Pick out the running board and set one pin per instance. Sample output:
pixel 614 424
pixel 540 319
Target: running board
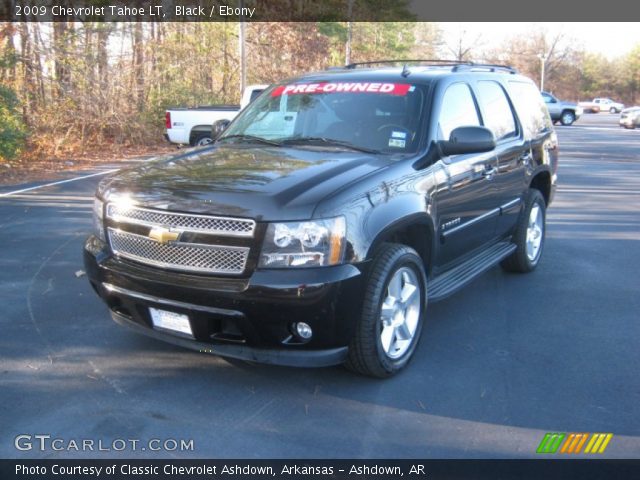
pixel 452 280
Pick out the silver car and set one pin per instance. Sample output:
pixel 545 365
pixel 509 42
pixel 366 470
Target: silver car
pixel 630 117
pixel 564 112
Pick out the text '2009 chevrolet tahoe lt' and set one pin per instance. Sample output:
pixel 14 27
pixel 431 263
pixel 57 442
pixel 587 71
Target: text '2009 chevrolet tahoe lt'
pixel 327 216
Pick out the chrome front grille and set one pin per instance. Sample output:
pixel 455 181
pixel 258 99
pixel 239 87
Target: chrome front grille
pixel 232 227
pixel 192 257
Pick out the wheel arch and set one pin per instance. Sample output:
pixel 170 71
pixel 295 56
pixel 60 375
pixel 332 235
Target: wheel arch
pixel 199 129
pixel 541 181
pixel 415 231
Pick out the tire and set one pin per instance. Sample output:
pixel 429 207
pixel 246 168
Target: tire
pixel 378 350
pixel 613 110
pixel 201 139
pixel 529 235
pixel 567 117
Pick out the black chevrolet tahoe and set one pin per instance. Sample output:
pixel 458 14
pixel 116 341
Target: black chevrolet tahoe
pixel 329 214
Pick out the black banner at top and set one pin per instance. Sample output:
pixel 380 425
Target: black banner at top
pixel 313 10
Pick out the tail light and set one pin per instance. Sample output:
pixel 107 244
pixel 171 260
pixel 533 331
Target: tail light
pixel 167 120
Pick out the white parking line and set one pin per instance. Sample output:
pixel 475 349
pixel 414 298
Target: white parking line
pixel 7 194
pixel 585 127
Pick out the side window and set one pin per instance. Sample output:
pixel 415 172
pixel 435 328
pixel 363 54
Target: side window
pixel 547 98
pixel 496 110
pixel 458 109
pixel 531 108
pixel 255 94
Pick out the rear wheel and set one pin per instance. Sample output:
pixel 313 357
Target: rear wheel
pixel 567 118
pixel 392 315
pixel 613 110
pixel 201 139
pixel 529 235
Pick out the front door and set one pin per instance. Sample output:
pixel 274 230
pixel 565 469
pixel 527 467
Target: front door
pixel 467 207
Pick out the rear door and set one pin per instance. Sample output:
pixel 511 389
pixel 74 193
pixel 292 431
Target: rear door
pixel 512 150
pixel 467 207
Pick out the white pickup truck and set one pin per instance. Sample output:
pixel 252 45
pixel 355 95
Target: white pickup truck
pixel 192 126
pixel 602 105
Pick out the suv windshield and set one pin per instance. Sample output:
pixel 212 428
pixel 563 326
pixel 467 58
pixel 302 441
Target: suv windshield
pixel 366 116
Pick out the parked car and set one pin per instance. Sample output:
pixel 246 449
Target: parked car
pixel 630 117
pixel 564 112
pixel 598 105
pixel 192 126
pixel 329 214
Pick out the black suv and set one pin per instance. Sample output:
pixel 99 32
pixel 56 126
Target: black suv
pixel 317 228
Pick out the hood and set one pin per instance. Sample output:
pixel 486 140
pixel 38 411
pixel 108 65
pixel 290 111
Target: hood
pixel 272 183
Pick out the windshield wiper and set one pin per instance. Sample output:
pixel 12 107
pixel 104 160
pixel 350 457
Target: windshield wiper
pixel 252 138
pixel 327 141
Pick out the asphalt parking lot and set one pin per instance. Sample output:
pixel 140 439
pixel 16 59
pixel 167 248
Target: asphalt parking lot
pixel 501 363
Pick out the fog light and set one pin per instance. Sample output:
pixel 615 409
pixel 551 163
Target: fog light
pixel 303 330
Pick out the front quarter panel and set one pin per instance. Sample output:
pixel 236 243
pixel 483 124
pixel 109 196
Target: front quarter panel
pixel 374 208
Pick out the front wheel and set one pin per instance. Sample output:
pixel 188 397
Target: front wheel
pixel 567 118
pixel 613 110
pixel 392 314
pixel 529 235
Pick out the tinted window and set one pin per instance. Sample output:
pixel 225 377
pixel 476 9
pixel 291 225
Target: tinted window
pixel 547 98
pixel 531 108
pixel 255 94
pixel 458 109
pixel 497 114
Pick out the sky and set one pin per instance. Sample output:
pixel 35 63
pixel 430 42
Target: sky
pixel 610 39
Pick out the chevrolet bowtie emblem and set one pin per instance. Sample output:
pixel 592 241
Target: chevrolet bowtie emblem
pixel 163 235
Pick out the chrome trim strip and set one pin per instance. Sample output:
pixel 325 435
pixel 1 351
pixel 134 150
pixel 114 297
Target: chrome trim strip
pixel 171 303
pixel 473 221
pixel 226 233
pixel 508 205
pixel 496 211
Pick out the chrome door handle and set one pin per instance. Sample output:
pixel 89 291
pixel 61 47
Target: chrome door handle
pixel 489 173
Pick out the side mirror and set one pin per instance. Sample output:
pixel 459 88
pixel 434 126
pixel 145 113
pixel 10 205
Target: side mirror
pixel 468 140
pixel 218 127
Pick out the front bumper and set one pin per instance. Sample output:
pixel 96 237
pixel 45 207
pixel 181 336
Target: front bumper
pixel 629 122
pixel 246 318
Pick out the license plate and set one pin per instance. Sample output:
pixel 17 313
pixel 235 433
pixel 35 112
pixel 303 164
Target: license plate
pixel 171 321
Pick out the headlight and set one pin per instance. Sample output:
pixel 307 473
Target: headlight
pixel 304 244
pixel 98 219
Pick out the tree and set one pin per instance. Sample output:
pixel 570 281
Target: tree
pixel 562 60
pixel 463 47
pixel 12 130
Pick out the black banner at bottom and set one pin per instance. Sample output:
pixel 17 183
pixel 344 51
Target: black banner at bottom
pixel 318 469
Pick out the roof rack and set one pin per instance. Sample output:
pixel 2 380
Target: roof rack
pixel 428 61
pixel 491 67
pixel 456 65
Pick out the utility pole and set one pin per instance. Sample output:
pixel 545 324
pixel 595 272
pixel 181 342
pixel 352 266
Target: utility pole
pixel 241 50
pixel 543 58
pixel 347 59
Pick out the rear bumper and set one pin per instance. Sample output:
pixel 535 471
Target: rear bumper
pixel 177 135
pixel 248 318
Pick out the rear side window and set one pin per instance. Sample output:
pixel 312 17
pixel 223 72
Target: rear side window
pixel 255 94
pixel 458 109
pixel 531 108
pixel 497 113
